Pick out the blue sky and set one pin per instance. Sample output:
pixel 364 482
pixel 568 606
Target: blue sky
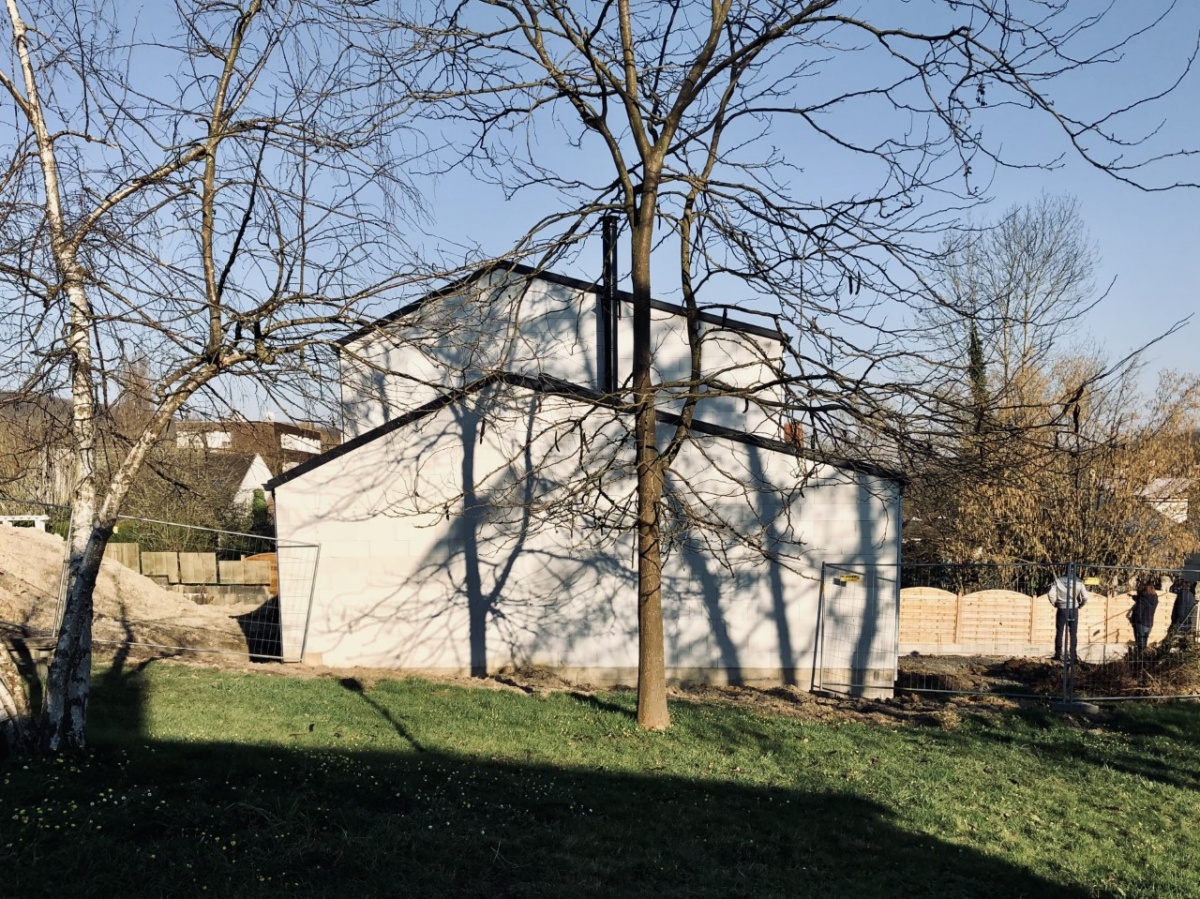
pixel 1148 243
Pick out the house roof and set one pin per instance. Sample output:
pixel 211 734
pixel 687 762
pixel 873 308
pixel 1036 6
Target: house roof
pixel 1166 489
pixel 220 473
pixel 555 386
pixel 525 271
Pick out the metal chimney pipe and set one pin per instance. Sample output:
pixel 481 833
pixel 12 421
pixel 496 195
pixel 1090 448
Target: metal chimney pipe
pixel 610 306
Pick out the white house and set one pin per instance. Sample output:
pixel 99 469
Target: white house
pixel 479 513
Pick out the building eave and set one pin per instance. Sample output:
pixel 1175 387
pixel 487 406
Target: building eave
pixel 721 319
pixel 555 386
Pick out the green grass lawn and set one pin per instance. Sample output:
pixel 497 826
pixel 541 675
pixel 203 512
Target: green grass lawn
pixel 209 783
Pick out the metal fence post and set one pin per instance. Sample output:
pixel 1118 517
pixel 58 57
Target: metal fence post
pixel 819 674
pixel 1071 636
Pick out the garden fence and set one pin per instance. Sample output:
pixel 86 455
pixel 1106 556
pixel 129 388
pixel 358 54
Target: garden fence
pixel 165 587
pixel 976 629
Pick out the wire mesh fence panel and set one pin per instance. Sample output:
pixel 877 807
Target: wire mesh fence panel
pixel 296 575
pixel 857 631
pixel 204 589
pixel 161 585
pixel 1016 630
pixel 979 629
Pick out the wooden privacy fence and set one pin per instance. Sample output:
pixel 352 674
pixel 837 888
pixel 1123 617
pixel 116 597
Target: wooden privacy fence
pixel 992 622
pixel 125 553
pixel 199 568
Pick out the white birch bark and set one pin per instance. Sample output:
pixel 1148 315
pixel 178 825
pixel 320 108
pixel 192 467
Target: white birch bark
pixel 66 705
pixel 65 713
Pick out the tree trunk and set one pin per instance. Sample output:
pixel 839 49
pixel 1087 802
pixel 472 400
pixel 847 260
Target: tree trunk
pixel 16 721
pixel 71 670
pixel 652 687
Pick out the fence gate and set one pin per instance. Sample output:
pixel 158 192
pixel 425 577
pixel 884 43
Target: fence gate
pixel 857 631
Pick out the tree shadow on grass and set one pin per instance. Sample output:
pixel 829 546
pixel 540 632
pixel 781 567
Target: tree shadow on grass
pixel 152 817
pixel 355 686
pixel 601 705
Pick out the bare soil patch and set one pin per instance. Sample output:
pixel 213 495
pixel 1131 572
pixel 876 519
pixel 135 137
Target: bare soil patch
pixel 980 674
pixel 128 607
pixel 1170 668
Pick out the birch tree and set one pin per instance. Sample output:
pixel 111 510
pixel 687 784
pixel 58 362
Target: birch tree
pixel 207 191
pixel 800 160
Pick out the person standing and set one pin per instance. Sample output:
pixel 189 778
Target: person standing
pixel 1183 612
pixel 1141 615
pixel 1068 595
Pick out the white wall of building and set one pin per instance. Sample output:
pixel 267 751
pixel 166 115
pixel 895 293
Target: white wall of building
pixel 256 477
pixel 504 322
pixel 479 537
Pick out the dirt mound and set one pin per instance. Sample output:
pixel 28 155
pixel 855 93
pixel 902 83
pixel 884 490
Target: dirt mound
pixel 979 674
pixel 128 607
pixel 1169 668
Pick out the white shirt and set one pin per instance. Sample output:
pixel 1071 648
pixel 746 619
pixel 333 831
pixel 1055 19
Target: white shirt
pixel 1064 589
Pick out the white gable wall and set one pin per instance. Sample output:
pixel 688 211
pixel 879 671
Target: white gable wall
pixel 540 327
pixel 256 476
pixel 475 538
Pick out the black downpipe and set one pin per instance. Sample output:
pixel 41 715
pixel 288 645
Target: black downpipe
pixel 610 305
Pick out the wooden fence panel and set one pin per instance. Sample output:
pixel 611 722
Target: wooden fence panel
pixel 161 564
pixel 994 616
pixel 927 615
pixel 1118 627
pixel 128 554
pixel 1042 631
pixel 231 572
pixel 1004 617
pixel 198 568
pixel 245 572
pixel 1093 620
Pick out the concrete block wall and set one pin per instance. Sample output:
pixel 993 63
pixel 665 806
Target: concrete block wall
pixel 479 537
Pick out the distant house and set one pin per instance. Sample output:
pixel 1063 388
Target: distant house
pixel 204 474
pixel 1170 497
pixel 281 446
pixel 197 488
pixel 479 514
pixel 233 478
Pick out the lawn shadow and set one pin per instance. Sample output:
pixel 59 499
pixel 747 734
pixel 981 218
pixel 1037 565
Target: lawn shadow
pixel 263 631
pixel 121 689
pixel 355 686
pixel 246 820
pixel 602 705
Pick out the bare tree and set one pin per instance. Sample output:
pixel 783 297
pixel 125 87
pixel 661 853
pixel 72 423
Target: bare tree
pixel 1025 283
pixel 1060 454
pixel 798 160
pixel 209 192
